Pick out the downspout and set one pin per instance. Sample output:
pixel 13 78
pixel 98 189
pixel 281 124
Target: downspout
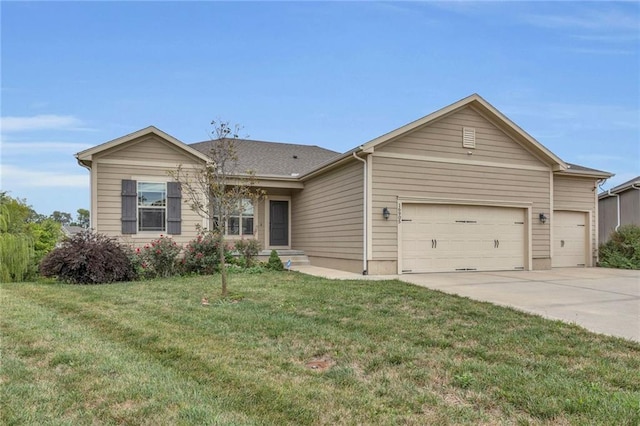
pixel 91 209
pixel 364 216
pixel 617 207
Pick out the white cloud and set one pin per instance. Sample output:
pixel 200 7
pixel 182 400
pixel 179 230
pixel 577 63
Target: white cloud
pixel 603 51
pixel 588 19
pixel 40 122
pixel 586 115
pixel 40 147
pixel 16 177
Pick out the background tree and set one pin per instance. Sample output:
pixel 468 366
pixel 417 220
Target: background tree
pixel 217 188
pixel 63 218
pixel 25 238
pixel 83 218
pixel 16 246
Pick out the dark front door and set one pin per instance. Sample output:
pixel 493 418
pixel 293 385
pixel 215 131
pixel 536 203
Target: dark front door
pixel 279 223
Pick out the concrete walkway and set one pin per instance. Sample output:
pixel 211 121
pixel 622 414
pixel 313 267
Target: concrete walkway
pixel 601 300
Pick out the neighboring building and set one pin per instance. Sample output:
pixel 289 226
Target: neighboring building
pixel 618 206
pixel 71 230
pixel 463 188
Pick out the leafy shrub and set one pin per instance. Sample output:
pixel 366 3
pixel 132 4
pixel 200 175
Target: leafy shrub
pixel 88 258
pixel 25 238
pixel 46 235
pixel 159 258
pixel 248 250
pixel 274 263
pixel 201 255
pixel 623 249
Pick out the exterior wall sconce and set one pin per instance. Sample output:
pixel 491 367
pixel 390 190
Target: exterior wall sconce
pixel 543 218
pixel 386 213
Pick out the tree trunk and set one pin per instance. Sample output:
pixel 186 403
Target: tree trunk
pixel 223 265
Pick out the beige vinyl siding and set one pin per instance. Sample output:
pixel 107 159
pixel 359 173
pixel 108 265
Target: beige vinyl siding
pixel 576 194
pixel 135 160
pixel 148 148
pixel 443 139
pixel 327 215
pixel 394 178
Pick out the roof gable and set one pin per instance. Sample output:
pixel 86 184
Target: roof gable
pixel 462 135
pixel 86 157
pixel 488 112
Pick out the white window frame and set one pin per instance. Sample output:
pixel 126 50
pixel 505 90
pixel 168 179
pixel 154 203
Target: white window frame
pixel 139 207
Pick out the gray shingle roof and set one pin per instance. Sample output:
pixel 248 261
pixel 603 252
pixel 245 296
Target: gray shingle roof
pixel 274 158
pixel 630 184
pixel 576 168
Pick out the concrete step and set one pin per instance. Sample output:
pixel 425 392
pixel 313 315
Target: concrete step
pixel 284 252
pixel 297 257
pixel 295 260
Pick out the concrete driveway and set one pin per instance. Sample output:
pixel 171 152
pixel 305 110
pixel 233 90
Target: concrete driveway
pixel 602 300
pixel 598 299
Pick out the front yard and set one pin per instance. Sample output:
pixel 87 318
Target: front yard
pixel 287 348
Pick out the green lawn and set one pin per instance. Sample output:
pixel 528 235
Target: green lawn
pixel 293 349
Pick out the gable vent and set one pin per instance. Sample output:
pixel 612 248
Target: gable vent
pixel 468 137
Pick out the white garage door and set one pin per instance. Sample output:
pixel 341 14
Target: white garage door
pixel 442 238
pixel 569 239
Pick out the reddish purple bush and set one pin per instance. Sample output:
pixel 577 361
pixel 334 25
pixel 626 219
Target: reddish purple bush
pixel 88 258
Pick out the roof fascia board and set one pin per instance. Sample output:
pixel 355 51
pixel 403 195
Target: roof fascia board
pixel 88 154
pixel 583 174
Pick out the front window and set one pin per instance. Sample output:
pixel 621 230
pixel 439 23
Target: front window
pixel 152 206
pixel 240 220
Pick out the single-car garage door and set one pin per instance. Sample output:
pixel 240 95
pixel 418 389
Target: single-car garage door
pixel 569 239
pixel 442 238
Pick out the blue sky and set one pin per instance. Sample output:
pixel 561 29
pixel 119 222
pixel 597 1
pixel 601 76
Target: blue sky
pixel 333 74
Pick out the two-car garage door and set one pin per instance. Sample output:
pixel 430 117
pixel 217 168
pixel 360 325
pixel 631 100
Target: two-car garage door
pixel 442 238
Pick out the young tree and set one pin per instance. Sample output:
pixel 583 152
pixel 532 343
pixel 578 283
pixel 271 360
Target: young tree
pixel 217 188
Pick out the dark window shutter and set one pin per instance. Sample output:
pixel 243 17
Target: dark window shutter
pixel 174 208
pixel 129 206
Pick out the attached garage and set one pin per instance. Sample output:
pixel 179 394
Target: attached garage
pixel 570 236
pixel 444 238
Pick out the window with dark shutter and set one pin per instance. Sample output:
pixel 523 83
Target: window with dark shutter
pixel 129 206
pixel 174 208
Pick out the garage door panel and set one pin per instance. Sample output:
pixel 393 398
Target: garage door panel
pixel 569 239
pixel 439 238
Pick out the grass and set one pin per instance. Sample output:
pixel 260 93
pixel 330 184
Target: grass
pixel 287 348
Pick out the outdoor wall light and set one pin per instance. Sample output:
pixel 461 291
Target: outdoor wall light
pixel 543 218
pixel 386 213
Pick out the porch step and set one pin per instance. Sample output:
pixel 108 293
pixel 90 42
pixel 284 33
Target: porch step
pixel 297 257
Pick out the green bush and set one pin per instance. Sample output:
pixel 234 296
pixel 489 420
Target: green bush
pixel 201 255
pixel 248 250
pixel 622 250
pixel 88 258
pixel 159 258
pixel 274 263
pixel 25 238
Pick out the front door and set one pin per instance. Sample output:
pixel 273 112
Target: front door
pixel 278 223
